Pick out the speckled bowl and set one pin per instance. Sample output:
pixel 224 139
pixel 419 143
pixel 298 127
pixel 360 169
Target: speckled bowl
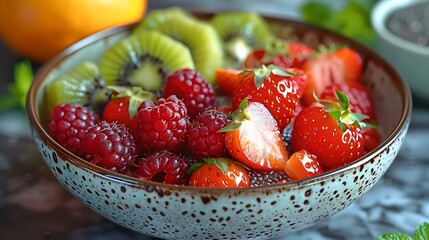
pixel 179 212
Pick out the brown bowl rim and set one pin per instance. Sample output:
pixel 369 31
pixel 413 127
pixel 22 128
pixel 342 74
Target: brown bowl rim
pixel 139 183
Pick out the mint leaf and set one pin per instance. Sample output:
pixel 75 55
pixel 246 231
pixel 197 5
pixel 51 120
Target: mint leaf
pixel 353 20
pixel 394 236
pixel 23 79
pixel 17 91
pixel 422 232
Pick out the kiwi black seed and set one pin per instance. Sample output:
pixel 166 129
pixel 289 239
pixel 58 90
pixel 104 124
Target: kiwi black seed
pixel 199 36
pixel 241 32
pixel 82 85
pixel 144 59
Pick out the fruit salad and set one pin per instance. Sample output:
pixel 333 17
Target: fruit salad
pixel 218 103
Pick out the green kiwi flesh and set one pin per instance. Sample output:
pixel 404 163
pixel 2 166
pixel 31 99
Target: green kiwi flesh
pixel 82 85
pixel 241 33
pixel 201 38
pixel 144 59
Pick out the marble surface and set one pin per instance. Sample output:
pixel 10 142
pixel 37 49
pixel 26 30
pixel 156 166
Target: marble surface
pixel 33 205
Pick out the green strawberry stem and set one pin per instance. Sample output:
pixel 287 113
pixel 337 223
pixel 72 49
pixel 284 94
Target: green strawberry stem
pixel 237 117
pixel 221 163
pixel 339 109
pixel 137 96
pixel 264 72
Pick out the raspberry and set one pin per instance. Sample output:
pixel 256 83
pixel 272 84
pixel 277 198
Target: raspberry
pixel 265 178
pixel 111 146
pixel 69 123
pixel 190 86
pixel 163 126
pixel 204 138
pixel 163 167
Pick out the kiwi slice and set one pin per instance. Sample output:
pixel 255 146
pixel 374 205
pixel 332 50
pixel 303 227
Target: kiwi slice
pixel 82 85
pixel 144 59
pixel 201 38
pixel 241 33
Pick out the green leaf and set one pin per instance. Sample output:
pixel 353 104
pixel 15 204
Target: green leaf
pixel 314 12
pixel 194 167
pixel 17 95
pixel 221 163
pixel 422 232
pixel 394 236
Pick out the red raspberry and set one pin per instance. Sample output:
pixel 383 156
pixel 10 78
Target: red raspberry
pixel 164 167
pixel 190 86
pixel 204 138
pixel 69 123
pixel 163 126
pixel 111 146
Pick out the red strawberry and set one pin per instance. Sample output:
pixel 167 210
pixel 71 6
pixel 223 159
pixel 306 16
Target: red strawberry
pixel 253 138
pixel 164 167
pixel 192 88
pixel 219 173
pixel 372 138
pixel 276 88
pixel 227 79
pixel 298 52
pixel 110 145
pixel 259 57
pixel 330 132
pixel 204 139
pixel 123 106
pixel 69 123
pixel 302 165
pixel 163 126
pixel 330 66
pixel 359 97
pixel 284 55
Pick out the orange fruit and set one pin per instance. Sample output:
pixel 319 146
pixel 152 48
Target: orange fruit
pixel 38 30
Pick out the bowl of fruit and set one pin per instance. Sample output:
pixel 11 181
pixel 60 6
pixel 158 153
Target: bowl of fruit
pixel 218 125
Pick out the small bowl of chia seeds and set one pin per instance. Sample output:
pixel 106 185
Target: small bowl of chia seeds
pixel 402 29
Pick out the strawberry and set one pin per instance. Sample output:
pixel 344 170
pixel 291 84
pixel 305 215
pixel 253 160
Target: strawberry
pixel 330 65
pixel 123 106
pixel 302 165
pixel 284 55
pixel 227 79
pixel 359 97
pixel 253 138
pixel 274 87
pixel 218 173
pixel 331 132
pixel 372 138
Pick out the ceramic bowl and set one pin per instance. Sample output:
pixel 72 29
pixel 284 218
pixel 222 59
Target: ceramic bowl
pixel 180 212
pixel 410 59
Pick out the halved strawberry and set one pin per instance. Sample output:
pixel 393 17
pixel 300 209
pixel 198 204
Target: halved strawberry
pixel 253 138
pixel 330 65
pixel 302 165
pixel 227 79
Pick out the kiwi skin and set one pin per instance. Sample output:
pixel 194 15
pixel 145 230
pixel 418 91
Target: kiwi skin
pixel 144 59
pixel 82 85
pixel 241 33
pixel 199 36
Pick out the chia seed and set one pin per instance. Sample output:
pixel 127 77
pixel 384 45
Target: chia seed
pixel 411 23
